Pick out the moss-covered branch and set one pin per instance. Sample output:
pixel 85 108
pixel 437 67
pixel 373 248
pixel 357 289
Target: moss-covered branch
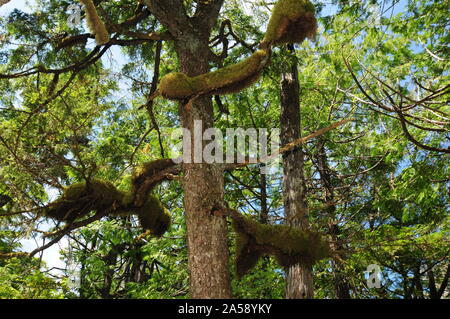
pixel 94 22
pixel 146 177
pixel 291 22
pixel 233 78
pixel 81 199
pixel 287 244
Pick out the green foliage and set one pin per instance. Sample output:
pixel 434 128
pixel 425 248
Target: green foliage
pixel 391 197
pixel 22 279
pixel 264 281
pixel 25 278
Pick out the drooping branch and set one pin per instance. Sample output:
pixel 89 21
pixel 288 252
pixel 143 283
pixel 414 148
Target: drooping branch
pixel 222 37
pixel 415 141
pixel 153 88
pixel 97 52
pixel 90 59
pixel 401 111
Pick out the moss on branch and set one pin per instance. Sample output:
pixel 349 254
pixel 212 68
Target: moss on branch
pixel 147 171
pixel 287 244
pixel 81 199
pixel 232 78
pixel 292 21
pixel 95 23
pixel 153 216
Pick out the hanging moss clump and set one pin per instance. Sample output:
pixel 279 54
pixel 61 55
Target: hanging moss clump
pixel 247 254
pixel 292 21
pixel 79 199
pixel 153 216
pixel 232 78
pixel 287 244
pixel 94 22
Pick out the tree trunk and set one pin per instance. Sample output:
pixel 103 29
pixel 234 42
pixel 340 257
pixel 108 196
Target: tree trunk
pixel 264 214
pixel 340 284
pixel 202 183
pixel 299 279
pixel 203 190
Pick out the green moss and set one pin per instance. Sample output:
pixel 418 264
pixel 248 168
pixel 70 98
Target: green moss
pixel 232 78
pixel 288 245
pixel 236 76
pixel 127 199
pixel 80 199
pixel 176 85
pixel 154 217
pixel 94 22
pixel 291 22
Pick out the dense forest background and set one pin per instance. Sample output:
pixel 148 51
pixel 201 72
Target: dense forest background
pixel 377 188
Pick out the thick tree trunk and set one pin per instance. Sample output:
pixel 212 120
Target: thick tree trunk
pixel 299 279
pixel 203 190
pixel 202 183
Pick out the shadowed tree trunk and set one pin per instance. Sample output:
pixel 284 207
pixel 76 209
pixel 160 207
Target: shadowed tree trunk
pixel 202 183
pixel 264 214
pixel 299 279
pixel 340 284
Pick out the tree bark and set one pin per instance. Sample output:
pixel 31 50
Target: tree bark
pixel 207 234
pixel 340 284
pixel 264 214
pixel 202 183
pixel 203 191
pixel 299 277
